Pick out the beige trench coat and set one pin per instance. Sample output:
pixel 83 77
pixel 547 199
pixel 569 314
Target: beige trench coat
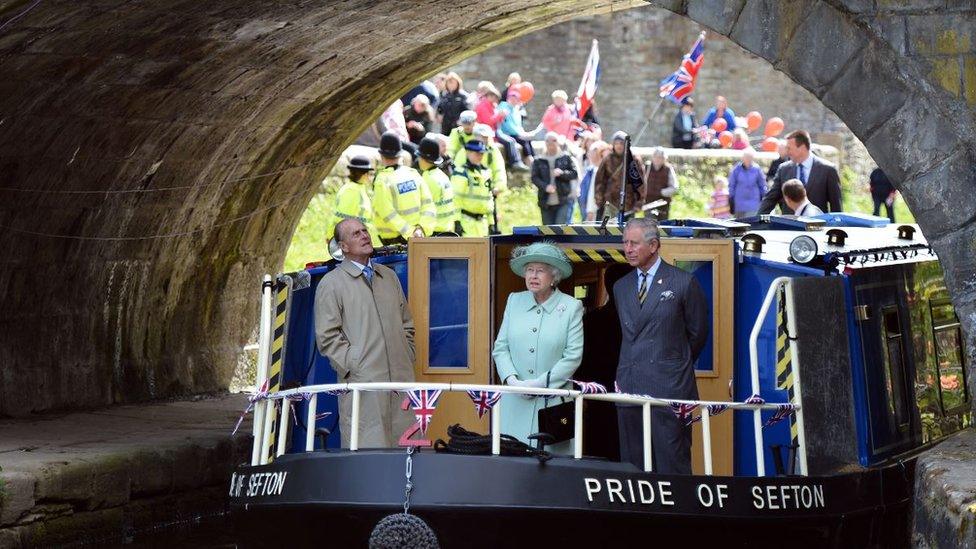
pixel 367 334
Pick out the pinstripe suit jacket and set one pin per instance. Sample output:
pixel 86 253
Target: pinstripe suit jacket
pixel 663 337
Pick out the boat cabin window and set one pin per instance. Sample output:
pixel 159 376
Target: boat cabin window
pixel 895 368
pixel 448 329
pixel 948 349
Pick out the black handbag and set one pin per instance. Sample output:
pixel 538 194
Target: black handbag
pixel 559 420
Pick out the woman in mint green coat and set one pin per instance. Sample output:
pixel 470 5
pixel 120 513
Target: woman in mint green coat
pixel 540 342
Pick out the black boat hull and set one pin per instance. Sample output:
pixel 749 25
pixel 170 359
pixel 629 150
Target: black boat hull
pixel 482 501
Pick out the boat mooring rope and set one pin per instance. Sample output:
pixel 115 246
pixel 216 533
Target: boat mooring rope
pixel 462 441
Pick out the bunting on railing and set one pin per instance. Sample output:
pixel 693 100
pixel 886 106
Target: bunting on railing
pixel 683 411
pixel 424 402
pixel 484 401
pixel 590 387
pixel 252 399
pixel 755 399
pixel 616 387
pixel 336 392
pixel 716 409
pixel 783 411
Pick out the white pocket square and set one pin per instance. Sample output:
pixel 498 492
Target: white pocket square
pixel 666 295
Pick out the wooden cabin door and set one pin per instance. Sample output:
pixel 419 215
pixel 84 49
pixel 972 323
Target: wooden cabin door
pixel 711 261
pixel 449 282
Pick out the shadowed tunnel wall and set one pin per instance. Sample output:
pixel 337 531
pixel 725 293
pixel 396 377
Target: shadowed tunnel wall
pixel 155 157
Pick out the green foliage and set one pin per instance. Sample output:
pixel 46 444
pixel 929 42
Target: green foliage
pixel 308 243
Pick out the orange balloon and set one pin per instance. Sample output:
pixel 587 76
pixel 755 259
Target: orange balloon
pixel 526 91
pixel 720 125
pixel 774 126
pixel 753 121
pixel 725 138
pixel 770 144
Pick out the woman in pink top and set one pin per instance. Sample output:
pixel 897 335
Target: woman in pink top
pixel 486 108
pixel 559 117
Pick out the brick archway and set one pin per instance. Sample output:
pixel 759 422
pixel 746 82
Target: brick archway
pixel 155 159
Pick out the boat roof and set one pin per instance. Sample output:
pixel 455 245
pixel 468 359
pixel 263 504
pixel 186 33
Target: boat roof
pixel 844 240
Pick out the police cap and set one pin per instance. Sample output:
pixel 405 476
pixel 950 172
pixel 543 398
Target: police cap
pixel 474 146
pixel 360 162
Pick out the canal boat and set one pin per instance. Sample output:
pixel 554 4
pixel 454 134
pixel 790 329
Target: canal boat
pixel 835 357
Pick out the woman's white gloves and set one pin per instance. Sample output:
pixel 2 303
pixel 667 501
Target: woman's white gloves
pixel 514 381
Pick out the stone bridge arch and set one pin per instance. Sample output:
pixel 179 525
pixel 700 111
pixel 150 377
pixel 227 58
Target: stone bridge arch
pixel 155 157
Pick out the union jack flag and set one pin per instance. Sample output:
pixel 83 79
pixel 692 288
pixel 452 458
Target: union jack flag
pixel 683 411
pixel 590 387
pixel 336 392
pixel 783 411
pixel 484 401
pixel 591 78
pixel 681 82
pixel 423 402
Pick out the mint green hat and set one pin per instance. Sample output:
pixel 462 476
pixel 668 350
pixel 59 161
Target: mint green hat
pixel 540 252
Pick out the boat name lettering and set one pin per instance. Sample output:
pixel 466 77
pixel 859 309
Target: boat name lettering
pixel 788 496
pixel 642 491
pixel 708 495
pixel 257 484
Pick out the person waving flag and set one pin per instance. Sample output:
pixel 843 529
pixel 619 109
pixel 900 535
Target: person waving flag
pixel 681 82
pixel 591 78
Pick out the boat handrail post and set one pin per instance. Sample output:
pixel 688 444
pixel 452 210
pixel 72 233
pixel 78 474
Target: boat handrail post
pixel 578 429
pixel 283 426
pixel 354 422
pixel 706 439
pixel 264 353
pixel 310 422
pixel 496 429
pixel 801 450
pixel 648 465
pixel 266 434
pixel 754 370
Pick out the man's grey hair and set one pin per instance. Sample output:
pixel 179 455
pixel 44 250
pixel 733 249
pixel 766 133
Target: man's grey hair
pixel 340 229
pixel 647 226
pixel 659 151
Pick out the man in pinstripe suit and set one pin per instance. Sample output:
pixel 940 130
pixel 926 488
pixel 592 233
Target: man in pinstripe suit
pixel 664 320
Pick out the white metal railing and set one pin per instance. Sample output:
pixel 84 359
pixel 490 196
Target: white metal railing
pixel 774 289
pixel 356 389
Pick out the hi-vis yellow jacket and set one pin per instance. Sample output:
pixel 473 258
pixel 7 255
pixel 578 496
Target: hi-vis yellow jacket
pixel 352 201
pixel 472 188
pixel 456 142
pixel 401 201
pixel 494 160
pixel 442 194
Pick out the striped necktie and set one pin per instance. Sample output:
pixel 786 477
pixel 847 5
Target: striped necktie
pixel 368 274
pixel 642 292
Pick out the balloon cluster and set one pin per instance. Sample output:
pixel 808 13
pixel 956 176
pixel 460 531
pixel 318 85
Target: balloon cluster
pixel 774 127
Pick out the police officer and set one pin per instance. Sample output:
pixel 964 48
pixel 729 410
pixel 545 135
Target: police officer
pixel 461 135
pixel 439 185
pixel 352 200
pixel 473 192
pixel 493 159
pixel 401 200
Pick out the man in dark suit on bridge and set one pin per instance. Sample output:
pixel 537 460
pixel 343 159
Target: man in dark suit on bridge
pixel 664 323
pixel 820 178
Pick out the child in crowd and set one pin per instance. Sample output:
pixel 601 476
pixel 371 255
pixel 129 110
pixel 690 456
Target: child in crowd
pixel 718 204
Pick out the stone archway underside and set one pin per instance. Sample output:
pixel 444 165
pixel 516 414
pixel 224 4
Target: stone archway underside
pixel 155 157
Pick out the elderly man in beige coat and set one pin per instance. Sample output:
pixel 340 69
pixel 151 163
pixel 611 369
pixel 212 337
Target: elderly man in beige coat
pixel 363 325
